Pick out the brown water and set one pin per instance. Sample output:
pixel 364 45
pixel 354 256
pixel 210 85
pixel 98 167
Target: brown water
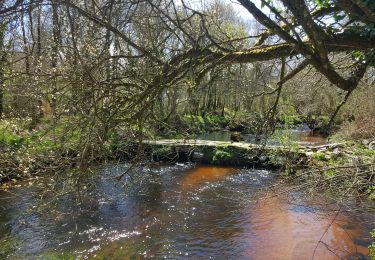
pixel 302 234
pixel 178 211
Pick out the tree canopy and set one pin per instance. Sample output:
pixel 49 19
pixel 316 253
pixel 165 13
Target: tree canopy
pixel 312 29
pixel 115 60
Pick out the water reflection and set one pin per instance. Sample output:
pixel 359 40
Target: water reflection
pixel 177 212
pixel 301 135
pixel 279 231
pixel 201 175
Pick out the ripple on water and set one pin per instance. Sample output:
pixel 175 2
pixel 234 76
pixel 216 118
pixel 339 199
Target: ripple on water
pixel 181 211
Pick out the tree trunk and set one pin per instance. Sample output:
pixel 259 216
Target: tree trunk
pixel 55 53
pixel 2 65
pixel 37 112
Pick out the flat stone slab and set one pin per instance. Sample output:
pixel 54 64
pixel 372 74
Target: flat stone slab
pixel 197 142
pixel 229 153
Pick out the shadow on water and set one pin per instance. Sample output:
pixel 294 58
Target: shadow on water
pixel 177 211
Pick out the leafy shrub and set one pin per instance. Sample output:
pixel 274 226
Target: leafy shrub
pixel 320 156
pixel 371 192
pixel 221 157
pixel 359 123
pixel 9 138
pixel 331 172
pixel 224 155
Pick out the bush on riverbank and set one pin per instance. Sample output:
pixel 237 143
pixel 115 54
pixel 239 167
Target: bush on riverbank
pixel 24 153
pixel 28 152
pixel 340 170
pixel 359 123
pixel 224 155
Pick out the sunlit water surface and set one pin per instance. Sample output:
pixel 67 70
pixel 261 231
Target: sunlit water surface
pixel 178 211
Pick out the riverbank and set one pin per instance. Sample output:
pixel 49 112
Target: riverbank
pixel 341 168
pixel 327 164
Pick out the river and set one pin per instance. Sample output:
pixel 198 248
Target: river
pixel 301 135
pixel 179 211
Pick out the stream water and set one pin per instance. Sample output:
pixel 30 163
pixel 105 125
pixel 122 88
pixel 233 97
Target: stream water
pixel 177 211
pixel 301 135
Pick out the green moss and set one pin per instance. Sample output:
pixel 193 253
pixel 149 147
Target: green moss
pixel 221 157
pixel 371 192
pixel 41 141
pixel 336 161
pixel 362 150
pixel 320 156
pixel 9 138
pixel 225 155
pixel 330 172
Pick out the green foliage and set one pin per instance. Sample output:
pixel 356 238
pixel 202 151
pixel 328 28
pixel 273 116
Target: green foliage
pixel 215 121
pixel 42 146
pixel 205 123
pixel 372 246
pixel 371 192
pixel 289 118
pixel 362 150
pixel 323 3
pixel 116 142
pixel 224 155
pixel 9 137
pixel 44 140
pixel 262 3
pixel 242 118
pixel 221 156
pixel 288 115
pixel 368 56
pixel 320 156
pixel 331 172
pixel 367 155
pixel 364 28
